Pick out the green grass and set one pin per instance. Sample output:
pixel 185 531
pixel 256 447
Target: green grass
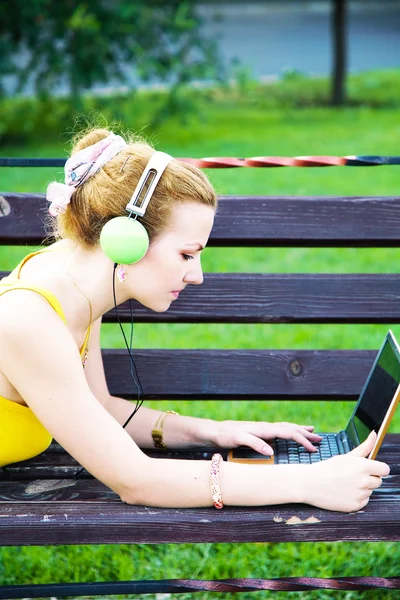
pixel 249 125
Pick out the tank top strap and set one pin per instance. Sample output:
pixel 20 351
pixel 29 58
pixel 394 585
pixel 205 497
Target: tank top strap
pixel 15 284
pixel 12 282
pixel 17 271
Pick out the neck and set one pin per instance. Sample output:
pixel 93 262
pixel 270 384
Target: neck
pixel 92 273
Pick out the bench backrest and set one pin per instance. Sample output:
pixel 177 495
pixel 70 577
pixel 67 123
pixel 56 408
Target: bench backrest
pixel 257 298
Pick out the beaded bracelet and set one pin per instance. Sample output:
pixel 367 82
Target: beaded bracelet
pixel 214 477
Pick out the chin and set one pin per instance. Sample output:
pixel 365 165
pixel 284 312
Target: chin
pixel 157 307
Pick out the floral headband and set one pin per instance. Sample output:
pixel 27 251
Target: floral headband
pixel 79 167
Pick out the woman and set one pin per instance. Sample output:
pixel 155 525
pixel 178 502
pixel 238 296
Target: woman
pixel 52 383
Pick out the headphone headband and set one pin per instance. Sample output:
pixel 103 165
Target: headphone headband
pixel 148 183
pixel 124 239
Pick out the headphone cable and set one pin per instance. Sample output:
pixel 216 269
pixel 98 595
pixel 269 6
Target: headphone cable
pixel 132 366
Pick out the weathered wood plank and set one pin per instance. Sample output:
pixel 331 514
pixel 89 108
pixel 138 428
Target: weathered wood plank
pixel 277 298
pixel 71 511
pixel 254 221
pixel 280 298
pixel 80 520
pixel 55 463
pixel 241 374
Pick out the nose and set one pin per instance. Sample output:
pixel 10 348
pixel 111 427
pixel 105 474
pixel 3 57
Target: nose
pixel 195 275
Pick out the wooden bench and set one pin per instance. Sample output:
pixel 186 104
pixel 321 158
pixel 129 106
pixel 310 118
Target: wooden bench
pixel 42 504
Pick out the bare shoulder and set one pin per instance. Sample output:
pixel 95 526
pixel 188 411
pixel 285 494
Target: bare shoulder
pixel 23 312
pixel 40 358
pixel 19 302
pixel 33 337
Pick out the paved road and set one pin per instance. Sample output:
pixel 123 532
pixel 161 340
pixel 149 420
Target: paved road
pixel 268 38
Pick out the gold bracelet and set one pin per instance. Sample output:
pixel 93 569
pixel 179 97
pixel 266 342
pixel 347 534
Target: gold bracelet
pixel 157 431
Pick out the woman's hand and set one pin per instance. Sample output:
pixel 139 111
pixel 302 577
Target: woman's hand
pixel 231 434
pixel 344 483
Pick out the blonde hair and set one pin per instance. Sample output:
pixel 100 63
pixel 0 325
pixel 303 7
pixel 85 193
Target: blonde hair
pixel 106 194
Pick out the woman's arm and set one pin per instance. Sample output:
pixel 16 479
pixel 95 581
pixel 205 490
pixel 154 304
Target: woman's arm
pixel 182 431
pixel 177 432
pixel 343 483
pixel 40 358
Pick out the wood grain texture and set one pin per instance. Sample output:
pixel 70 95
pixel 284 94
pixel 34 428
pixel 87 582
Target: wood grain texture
pixel 68 511
pixel 55 463
pixel 254 221
pixel 272 298
pixel 241 374
pixel 279 298
pixel 86 513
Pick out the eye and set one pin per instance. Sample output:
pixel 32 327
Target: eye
pixel 187 256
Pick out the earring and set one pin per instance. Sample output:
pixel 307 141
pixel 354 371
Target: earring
pixel 121 274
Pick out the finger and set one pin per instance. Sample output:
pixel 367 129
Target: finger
pixel 314 437
pixel 374 483
pixel 309 429
pixel 364 503
pixel 365 448
pixel 255 443
pixel 366 493
pixel 290 433
pixel 301 439
pixel 378 468
pixel 306 429
pixel 308 433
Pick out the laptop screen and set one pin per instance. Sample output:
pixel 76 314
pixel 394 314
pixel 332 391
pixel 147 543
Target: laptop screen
pixel 378 392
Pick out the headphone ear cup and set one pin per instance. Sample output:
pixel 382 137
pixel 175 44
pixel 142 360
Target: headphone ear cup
pixel 124 240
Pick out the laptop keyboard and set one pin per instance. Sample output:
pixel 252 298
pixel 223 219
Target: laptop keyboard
pixel 290 452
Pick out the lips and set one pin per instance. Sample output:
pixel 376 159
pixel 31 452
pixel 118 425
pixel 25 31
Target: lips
pixel 175 294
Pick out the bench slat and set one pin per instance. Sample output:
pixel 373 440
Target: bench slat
pixel 73 516
pixel 253 221
pixel 85 511
pixel 278 298
pixel 77 519
pixel 241 374
pixel 55 463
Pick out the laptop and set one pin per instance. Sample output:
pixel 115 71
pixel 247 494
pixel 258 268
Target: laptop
pixel 374 411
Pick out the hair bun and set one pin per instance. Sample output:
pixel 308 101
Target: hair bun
pixel 90 138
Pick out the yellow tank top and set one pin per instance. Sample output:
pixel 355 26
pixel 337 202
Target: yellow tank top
pixel 22 436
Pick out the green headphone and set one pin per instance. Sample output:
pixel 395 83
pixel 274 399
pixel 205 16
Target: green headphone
pixel 123 239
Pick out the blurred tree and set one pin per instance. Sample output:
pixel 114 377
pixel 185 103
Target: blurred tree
pixel 339 52
pixel 91 42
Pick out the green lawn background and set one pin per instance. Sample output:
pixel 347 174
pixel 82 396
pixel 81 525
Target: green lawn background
pixel 235 129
